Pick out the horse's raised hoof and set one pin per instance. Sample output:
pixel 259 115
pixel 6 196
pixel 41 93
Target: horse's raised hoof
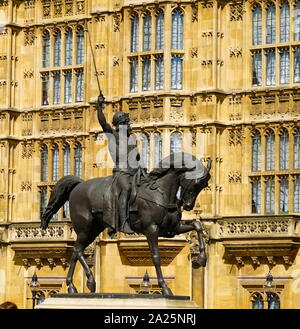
pixel 72 289
pixel 91 284
pixel 167 292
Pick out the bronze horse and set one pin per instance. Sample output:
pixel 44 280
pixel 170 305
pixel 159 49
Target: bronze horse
pixel 157 202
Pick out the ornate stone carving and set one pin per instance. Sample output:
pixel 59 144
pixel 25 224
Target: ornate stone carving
pixel 236 136
pixel 57 8
pixel 194 5
pixel 235 52
pixel 236 10
pixel 28 73
pixel 80 7
pixel 117 18
pixel 27 150
pixel 26 186
pixel 116 61
pixel 29 37
pixel 235 177
pixel 46 8
pixel 68 7
pixel 194 52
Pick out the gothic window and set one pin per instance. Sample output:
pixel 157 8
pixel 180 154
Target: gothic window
pixel 270 151
pixel 134 75
pixel 285 23
pixel 256 69
pixel 79 86
pixel 67 165
pixel 273 300
pixel 160 30
pixel 284 195
pixel 55 163
pixel 68 47
pixel 157 149
pixel 177 29
pixel 297 21
pixel 284 150
pixel 175 143
pixel 159 73
pixel 256 196
pixel 271 71
pixel 297 194
pixel 46 49
pixel 271 24
pixel 134 33
pixel 297 65
pixel 285 67
pixel 45 89
pixel 146 74
pixel 78 160
pixel 68 87
pixel 297 149
pixel 44 163
pixel 256 152
pixel 56 88
pixel 257 301
pixel 147 32
pixel 57 48
pixel 145 152
pixel 257 26
pixel 176 72
pixel 80 46
pixel 270 191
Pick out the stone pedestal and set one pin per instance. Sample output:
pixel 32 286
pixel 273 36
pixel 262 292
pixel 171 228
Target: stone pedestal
pixel 116 301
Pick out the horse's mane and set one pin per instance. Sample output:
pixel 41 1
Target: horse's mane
pixel 181 161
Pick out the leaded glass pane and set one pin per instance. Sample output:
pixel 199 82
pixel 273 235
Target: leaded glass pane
pixel 285 23
pixel 80 46
pixel 44 164
pixel 257 301
pixel 45 90
pixel 177 30
pixel 46 49
pixel 57 49
pixel 147 33
pixel 270 192
pixel 270 151
pixel 273 300
pixel 284 195
pixel 159 73
pixel 285 67
pixel 56 88
pixel 175 143
pixel 271 24
pixel 146 74
pixel 78 160
pixel 256 196
pixel 157 149
pixel 257 26
pixel 67 164
pixel 134 75
pixel 79 86
pixel 297 149
pixel 297 65
pixel 68 47
pixel 55 163
pixel 284 150
pixel 297 194
pixel 176 72
pixel 134 33
pixel 257 70
pixel 68 87
pixel 145 152
pixel 160 31
pixel 271 70
pixel 256 152
pixel 297 21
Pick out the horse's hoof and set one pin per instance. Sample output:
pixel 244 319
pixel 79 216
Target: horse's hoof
pixel 72 289
pixel 167 292
pixel 91 284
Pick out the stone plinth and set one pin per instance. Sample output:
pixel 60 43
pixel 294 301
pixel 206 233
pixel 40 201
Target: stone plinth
pixel 116 301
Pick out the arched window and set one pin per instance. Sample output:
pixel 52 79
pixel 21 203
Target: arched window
pixel 297 149
pixel 284 150
pixel 55 163
pixel 145 152
pixel 57 48
pixel 177 29
pixel 270 190
pixel 270 150
pixel 284 195
pixel 160 31
pixel 257 301
pixel 66 156
pixel 285 22
pixel 297 194
pixel 68 47
pixel 176 72
pixel 256 196
pixel 78 160
pixel 273 300
pixel 147 32
pixel 134 75
pixel 44 163
pixel 80 46
pixel 271 24
pixel 257 69
pixel 297 21
pixel 46 49
pixel 257 26
pixel 256 152
pixel 134 33
pixel 157 149
pixel 175 143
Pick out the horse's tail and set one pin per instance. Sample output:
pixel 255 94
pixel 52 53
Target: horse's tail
pixel 59 196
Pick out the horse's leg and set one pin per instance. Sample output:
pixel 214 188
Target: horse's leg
pixel 152 238
pixel 184 228
pixel 69 280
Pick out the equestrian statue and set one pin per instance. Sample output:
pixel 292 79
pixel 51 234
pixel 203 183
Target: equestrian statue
pixel 131 200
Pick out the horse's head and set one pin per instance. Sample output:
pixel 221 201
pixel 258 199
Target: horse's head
pixel 192 182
